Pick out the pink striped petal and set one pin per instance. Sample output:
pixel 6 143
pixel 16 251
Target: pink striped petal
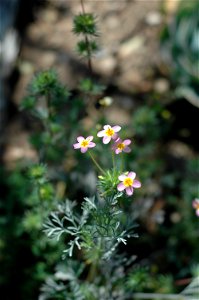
pixel 76 146
pixel 197 212
pixel 121 186
pixel 91 145
pixel 127 142
pixel 122 177
pixel 80 139
pixel 106 139
pixel 129 191
pixel 136 183
pixel 89 138
pixel 101 133
pixel 127 149
pixel 118 141
pixel 116 128
pixel 83 150
pixel 132 175
pixel 195 203
pixel 115 136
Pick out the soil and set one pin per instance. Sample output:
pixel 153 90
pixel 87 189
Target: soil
pixel 129 62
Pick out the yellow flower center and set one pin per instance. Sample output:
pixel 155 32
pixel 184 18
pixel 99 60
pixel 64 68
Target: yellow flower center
pixel 84 143
pixel 109 132
pixel 128 182
pixel 121 146
pixel 197 206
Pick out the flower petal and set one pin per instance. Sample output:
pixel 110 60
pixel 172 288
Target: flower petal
pixel 127 149
pixel 106 139
pixel 117 151
pixel 83 150
pixel 195 203
pixel 121 186
pixel 76 146
pixel 118 140
pixel 132 175
pixel 107 127
pixel 129 191
pixel 116 128
pixel 80 139
pixel 91 145
pixel 122 177
pixel 89 138
pixel 115 136
pixel 136 184
pixel 127 142
pixel 197 212
pixel 101 133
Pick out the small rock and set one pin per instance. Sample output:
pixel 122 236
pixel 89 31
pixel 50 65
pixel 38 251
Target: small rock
pixel 130 46
pixel 26 67
pixel 153 18
pixel 106 65
pixel 175 217
pixel 161 85
pixel 50 15
pixel 112 22
pixel 180 150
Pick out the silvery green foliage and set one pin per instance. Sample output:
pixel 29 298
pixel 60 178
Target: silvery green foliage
pixel 191 292
pixel 108 283
pixel 98 228
pixel 64 284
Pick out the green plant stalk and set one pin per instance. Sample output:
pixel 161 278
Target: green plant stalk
pixel 113 160
pixel 96 163
pixel 94 266
pixel 122 162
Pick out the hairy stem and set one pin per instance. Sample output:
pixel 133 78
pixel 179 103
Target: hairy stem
pixel 87 43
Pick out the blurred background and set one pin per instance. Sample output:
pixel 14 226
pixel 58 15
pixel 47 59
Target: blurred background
pixel 148 64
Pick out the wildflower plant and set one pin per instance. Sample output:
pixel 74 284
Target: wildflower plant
pixel 93 232
pixel 94 228
pixel 98 225
pixel 90 228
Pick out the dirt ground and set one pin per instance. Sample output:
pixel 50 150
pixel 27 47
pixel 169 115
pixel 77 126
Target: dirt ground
pixel 129 43
pixel 129 57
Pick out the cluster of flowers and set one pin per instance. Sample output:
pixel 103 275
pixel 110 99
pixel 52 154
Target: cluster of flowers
pixel 128 181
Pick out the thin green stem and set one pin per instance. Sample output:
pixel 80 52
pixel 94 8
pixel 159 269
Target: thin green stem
pixel 122 162
pixel 96 163
pixel 113 159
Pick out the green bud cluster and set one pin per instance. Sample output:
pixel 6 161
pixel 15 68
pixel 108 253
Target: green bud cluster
pixel 46 101
pixel 37 172
pixel 38 175
pixel 85 25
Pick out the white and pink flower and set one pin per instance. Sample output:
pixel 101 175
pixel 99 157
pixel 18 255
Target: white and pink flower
pixel 195 205
pixel 84 143
pixel 109 133
pixel 128 183
pixel 121 146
